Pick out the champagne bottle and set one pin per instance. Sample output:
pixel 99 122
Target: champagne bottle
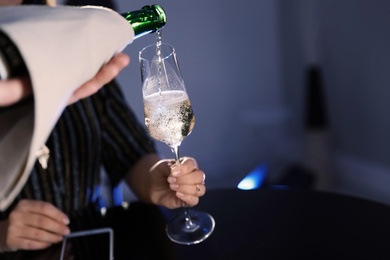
pixel 146 20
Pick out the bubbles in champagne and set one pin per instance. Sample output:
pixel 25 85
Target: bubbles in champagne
pixel 169 116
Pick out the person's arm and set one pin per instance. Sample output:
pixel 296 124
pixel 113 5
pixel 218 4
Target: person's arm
pixel 16 89
pixel 163 183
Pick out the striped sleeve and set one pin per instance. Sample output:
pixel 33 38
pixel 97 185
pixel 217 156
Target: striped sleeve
pixel 125 139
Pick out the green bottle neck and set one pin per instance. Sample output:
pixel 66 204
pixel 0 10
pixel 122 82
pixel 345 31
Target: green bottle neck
pixel 149 19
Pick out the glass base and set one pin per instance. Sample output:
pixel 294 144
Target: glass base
pixel 182 231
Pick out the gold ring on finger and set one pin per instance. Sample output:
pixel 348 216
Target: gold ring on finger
pixel 197 188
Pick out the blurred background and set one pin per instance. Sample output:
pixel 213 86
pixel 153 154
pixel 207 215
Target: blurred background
pixel 293 91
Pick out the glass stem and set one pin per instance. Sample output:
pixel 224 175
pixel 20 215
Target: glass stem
pixel 188 220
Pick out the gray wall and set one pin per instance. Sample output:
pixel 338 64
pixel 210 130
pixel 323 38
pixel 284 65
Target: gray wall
pixel 350 41
pixel 356 61
pixel 357 68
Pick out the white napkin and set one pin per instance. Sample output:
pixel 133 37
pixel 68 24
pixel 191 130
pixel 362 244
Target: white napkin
pixel 63 47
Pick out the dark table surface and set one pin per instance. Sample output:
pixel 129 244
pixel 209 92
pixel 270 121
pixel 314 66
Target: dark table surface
pixel 257 224
pixel 292 224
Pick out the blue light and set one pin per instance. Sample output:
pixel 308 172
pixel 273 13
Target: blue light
pixel 249 183
pixel 254 179
pixel 117 194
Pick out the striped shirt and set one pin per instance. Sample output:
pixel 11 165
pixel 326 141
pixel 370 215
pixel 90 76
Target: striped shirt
pixel 99 131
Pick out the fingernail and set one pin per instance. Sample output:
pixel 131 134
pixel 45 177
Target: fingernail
pixel 174 186
pixel 171 179
pixel 176 171
pixel 180 194
pixel 66 221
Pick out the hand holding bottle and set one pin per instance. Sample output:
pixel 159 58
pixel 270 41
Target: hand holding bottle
pixel 146 20
pixel 107 73
pixel 16 89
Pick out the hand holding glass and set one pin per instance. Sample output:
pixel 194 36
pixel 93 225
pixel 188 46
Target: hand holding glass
pixel 169 118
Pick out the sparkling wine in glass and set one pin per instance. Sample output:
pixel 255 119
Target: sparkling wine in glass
pixel 169 118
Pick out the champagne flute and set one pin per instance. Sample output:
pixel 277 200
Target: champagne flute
pixel 169 118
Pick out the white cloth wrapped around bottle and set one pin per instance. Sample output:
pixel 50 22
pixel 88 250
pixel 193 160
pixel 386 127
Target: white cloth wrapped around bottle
pixel 63 47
